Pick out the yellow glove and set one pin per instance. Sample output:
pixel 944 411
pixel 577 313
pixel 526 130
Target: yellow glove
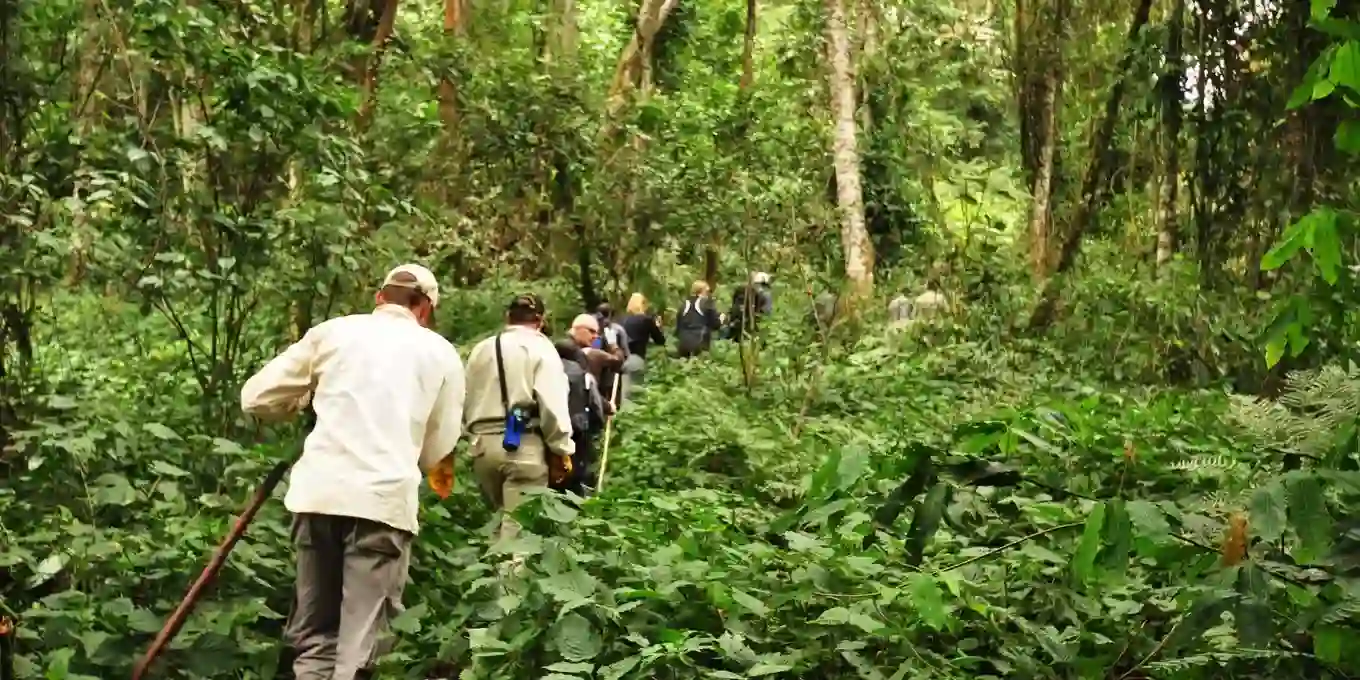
pixel 441 477
pixel 559 468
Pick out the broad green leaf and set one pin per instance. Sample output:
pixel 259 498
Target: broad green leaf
pixel 1083 561
pixel 226 447
pixel 1293 239
pixel 1326 246
pixel 1148 519
pixel 1275 351
pixel 1321 9
pixel 1310 519
pixel 46 569
pixel 1267 512
pixel 1252 612
pixel 1345 69
pixel 763 669
pixel 112 489
pixel 926 521
pixel 619 668
pixel 161 467
pixel 1347 137
pixel 575 638
pixel 928 601
pixel 565 667
pixel 750 603
pixel 160 431
pixel 143 621
pixel 842 616
pixel 1328 642
pixel 1117 537
pixel 408 621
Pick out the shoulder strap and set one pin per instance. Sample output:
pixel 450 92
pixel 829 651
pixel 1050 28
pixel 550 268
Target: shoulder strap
pixel 500 373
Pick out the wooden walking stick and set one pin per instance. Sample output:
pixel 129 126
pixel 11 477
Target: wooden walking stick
pixel 608 434
pixel 172 625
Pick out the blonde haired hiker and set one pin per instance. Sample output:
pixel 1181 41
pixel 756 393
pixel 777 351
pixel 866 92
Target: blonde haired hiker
pixel 696 322
pixel 643 329
pixel 388 397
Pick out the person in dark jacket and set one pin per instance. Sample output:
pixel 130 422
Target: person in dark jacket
pixel 587 417
pixel 614 340
pixel 750 303
pixel 642 328
pixel 696 322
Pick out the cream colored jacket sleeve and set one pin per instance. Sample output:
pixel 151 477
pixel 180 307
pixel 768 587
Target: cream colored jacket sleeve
pixel 446 420
pixel 550 392
pixel 284 386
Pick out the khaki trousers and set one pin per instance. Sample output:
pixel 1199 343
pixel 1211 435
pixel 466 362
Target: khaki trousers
pixel 503 476
pixel 350 576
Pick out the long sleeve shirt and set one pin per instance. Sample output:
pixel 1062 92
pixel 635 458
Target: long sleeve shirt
pixel 534 376
pixel 641 328
pixel 388 397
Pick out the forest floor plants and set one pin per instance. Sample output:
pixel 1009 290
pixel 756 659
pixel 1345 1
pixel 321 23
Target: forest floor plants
pixel 922 505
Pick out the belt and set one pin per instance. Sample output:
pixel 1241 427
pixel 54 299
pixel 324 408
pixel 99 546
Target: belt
pixel 497 426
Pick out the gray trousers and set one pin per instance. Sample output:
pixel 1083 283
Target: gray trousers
pixel 350 575
pixel 633 370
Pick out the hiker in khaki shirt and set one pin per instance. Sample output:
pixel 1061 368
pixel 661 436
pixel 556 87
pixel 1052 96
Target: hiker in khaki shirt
pixel 535 381
pixel 388 395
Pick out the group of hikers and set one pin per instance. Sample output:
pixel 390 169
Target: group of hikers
pixel 391 399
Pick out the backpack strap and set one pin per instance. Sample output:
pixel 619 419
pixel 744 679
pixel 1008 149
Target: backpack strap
pixel 500 373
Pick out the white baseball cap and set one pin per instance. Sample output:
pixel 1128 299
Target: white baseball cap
pixel 760 278
pixel 424 281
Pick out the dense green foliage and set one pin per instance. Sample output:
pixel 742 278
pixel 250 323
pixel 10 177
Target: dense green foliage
pixel 185 186
pixel 739 533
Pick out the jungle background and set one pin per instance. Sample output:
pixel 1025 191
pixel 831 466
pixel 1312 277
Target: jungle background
pixel 1130 451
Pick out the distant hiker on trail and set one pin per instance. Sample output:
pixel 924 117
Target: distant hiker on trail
pixel 642 328
pixel 930 304
pixel 388 398
pixel 825 310
pixel 613 339
pixel 696 322
pixel 755 294
pixel 587 417
pixel 517 411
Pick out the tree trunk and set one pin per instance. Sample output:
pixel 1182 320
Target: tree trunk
pixel 1097 175
pixel 370 75
pixel 448 91
pixel 1172 101
pixel 858 251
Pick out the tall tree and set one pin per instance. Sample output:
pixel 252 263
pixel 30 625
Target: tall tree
pixel 1173 100
pixel 858 250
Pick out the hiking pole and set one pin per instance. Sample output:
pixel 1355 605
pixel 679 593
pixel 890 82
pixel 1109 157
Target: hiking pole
pixel 172 625
pixel 608 434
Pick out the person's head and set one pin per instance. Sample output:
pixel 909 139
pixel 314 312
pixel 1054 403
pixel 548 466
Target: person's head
pixel 584 329
pixel 700 289
pixel 605 312
pixel 526 310
pixel 637 304
pixel 760 279
pixel 413 287
pixel 935 276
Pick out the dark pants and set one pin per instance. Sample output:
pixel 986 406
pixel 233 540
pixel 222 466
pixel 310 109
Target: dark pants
pixel 583 473
pixel 691 343
pixel 350 576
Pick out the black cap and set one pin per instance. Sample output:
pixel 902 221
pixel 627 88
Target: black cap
pixel 527 302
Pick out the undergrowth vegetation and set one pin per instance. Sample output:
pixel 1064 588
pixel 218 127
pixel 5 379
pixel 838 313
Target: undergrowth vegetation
pixel 929 503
